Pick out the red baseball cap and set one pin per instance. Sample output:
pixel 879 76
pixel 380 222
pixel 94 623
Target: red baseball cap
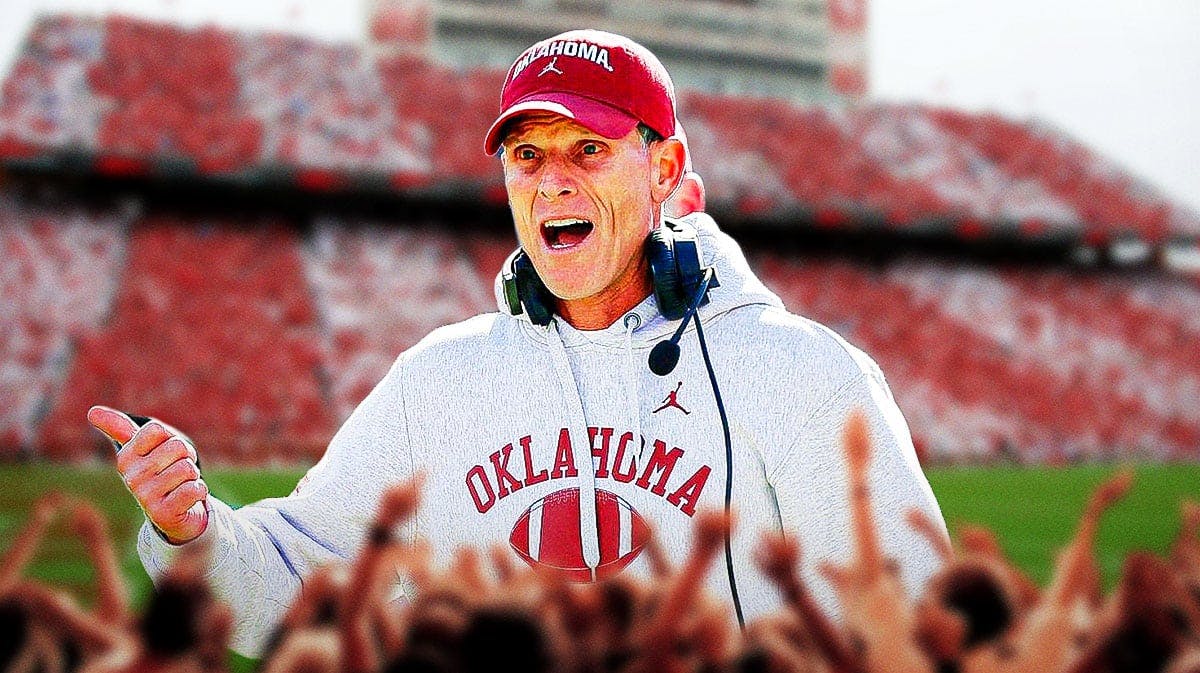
pixel 604 81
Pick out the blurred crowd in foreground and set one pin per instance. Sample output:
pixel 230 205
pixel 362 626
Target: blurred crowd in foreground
pixel 979 613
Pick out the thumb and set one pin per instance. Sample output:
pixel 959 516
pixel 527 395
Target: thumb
pixel 116 425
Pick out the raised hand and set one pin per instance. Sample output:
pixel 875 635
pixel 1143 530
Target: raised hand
pixel 876 610
pixel 26 543
pixel 159 466
pixel 368 576
pixel 1076 569
pixel 1108 493
pixel 778 556
pixel 1064 607
pixel 681 595
pixel 868 566
pixel 857 446
pixel 88 523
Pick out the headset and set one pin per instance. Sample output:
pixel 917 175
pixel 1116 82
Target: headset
pixel 676 273
pixel 681 284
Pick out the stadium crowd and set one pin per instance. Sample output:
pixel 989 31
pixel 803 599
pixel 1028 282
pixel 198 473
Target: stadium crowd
pixel 1024 364
pixel 223 102
pixel 979 613
pixel 60 269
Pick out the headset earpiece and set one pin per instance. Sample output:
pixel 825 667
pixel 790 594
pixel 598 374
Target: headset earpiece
pixel 524 291
pixel 676 273
pixel 676 269
pixel 664 273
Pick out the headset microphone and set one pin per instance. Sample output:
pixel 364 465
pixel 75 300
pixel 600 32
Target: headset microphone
pixel 665 354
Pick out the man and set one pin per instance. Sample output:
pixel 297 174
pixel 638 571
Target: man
pixel 544 429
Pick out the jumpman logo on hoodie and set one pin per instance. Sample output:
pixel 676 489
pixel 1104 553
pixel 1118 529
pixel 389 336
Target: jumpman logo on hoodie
pixel 672 400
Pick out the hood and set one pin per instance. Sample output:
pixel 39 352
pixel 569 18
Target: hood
pixel 739 287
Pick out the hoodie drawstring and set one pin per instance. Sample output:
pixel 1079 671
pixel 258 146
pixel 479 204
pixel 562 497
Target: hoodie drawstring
pixel 589 532
pixel 633 399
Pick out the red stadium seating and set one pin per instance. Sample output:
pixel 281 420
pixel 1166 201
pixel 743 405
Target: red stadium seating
pixel 57 278
pixel 214 330
pixel 1044 365
pixel 258 343
pixel 223 101
pixel 447 112
pixel 1109 201
pixel 45 100
pixel 965 185
pixel 321 105
pixel 173 93
pixel 383 289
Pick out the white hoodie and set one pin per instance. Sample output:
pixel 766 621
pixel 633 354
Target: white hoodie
pixel 520 428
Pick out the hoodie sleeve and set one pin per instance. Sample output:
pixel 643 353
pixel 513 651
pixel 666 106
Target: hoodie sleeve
pixel 811 485
pixel 260 552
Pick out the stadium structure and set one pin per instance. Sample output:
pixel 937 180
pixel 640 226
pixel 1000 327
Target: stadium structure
pixel 238 232
pixel 799 50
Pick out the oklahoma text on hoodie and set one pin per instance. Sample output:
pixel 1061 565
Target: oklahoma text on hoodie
pixel 532 437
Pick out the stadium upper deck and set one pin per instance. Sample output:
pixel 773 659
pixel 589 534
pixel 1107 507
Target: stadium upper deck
pixel 126 96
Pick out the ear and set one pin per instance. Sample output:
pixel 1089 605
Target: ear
pixel 688 197
pixel 667 159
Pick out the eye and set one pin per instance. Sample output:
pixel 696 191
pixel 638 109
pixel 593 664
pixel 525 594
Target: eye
pixel 526 153
pixel 591 148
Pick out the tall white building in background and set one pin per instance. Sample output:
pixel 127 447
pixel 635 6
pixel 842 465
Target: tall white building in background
pixel 808 51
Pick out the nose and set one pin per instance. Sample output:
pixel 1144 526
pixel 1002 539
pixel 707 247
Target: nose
pixel 555 183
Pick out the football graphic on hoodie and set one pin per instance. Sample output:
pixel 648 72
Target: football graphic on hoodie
pixel 547 535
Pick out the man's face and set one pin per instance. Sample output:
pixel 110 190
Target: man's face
pixel 583 205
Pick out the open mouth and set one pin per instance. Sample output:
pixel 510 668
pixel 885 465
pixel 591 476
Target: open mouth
pixel 565 233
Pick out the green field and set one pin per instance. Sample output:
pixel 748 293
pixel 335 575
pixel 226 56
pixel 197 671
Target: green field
pixel 1032 510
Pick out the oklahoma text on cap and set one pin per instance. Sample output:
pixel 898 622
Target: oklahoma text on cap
pixel 604 81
